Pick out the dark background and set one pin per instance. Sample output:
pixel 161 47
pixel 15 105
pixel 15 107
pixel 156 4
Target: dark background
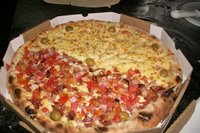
pixel 19 16
pixel 6 16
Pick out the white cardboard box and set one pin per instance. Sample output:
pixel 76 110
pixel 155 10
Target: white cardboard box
pixel 107 16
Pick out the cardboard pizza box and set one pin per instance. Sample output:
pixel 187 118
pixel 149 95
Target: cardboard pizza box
pixel 188 120
pixel 151 28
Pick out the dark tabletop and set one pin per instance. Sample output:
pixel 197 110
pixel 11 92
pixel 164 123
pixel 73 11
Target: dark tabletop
pixel 30 13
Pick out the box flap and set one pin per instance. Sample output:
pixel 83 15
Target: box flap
pixel 30 34
pixel 3 90
pixel 84 3
pixel 106 16
pixel 12 47
pixel 94 3
pixel 156 31
pixel 185 65
pixel 138 23
pixel 193 123
pixel 182 119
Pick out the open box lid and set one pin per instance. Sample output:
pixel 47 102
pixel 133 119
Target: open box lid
pixel 84 3
pixel 107 16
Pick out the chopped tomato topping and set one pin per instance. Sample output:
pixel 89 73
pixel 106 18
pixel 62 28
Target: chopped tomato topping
pixel 115 69
pixel 23 81
pixel 91 85
pixel 145 103
pixel 90 107
pixel 51 84
pixel 131 101
pixel 30 70
pixel 63 99
pixel 45 110
pixel 51 60
pixel 124 98
pixel 19 68
pixel 115 83
pixel 108 72
pixel 109 103
pixel 132 72
pixel 117 110
pixel 137 71
pixel 98 112
pixel 145 79
pixel 83 112
pixel 133 88
pixel 27 87
pixel 36 98
pixel 127 32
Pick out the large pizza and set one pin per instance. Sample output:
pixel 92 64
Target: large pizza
pixel 94 76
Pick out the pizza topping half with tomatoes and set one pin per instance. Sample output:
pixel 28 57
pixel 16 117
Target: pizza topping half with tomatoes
pixel 64 88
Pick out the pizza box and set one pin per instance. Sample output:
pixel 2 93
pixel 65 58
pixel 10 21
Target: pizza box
pixel 151 28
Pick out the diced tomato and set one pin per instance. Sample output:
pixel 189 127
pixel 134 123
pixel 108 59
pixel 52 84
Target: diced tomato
pixel 51 84
pixel 114 83
pixel 83 112
pixel 145 103
pixel 108 72
pixel 126 32
pixel 45 110
pixel 20 75
pixel 89 108
pixel 78 77
pixel 116 118
pixel 124 98
pixel 23 81
pixel 51 60
pixel 19 68
pixel 115 69
pixel 133 88
pixel 36 102
pixel 36 93
pixel 98 112
pixel 63 99
pixel 91 85
pixel 27 87
pixel 74 106
pixel 109 103
pixel 137 71
pixel 36 98
pixel 131 101
pixel 145 79
pixel 7 66
pixel 30 70
pixel 130 73
pixel 117 110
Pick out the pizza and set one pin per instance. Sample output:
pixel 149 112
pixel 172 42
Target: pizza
pixel 94 76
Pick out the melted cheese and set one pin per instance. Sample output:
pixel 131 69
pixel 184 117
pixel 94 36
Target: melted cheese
pixel 122 50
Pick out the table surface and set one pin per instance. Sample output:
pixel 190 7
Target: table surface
pixel 186 36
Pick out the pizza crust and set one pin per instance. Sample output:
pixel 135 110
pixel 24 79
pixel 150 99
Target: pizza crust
pixel 145 119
